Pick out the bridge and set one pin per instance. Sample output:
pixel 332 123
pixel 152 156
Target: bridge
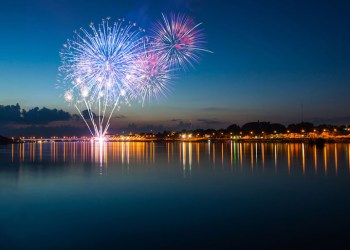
pixel 55 139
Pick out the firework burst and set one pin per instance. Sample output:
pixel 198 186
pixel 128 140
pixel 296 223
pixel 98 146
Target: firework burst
pixel 113 64
pixel 154 79
pixel 178 40
pixel 99 69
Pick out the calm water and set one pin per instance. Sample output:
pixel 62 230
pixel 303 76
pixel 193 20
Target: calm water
pixel 135 195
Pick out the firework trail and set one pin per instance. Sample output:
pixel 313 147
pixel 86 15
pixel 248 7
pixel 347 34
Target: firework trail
pixel 178 40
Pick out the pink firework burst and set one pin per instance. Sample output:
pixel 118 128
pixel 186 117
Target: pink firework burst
pixel 178 40
pixel 154 79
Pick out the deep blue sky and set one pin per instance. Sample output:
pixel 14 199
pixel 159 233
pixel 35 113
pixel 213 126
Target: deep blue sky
pixel 270 57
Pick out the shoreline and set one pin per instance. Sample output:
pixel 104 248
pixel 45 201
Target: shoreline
pixel 312 141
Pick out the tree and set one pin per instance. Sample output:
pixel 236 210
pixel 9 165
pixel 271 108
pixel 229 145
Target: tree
pixel 233 128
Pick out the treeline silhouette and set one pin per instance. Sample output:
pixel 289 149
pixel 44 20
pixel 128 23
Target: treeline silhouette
pixel 260 128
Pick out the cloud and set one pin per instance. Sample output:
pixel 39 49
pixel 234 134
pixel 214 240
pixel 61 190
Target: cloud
pixel 10 113
pixel 119 117
pixel 14 114
pixel 44 116
pixel 86 115
pixel 209 121
pixel 215 109
pixel 331 120
pixel 132 127
pixel 183 126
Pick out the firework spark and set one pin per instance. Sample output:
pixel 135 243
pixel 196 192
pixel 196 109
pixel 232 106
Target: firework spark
pixel 155 76
pixel 112 64
pixel 99 69
pixel 178 40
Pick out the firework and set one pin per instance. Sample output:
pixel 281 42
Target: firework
pixel 112 64
pixel 178 40
pixel 98 68
pixel 154 75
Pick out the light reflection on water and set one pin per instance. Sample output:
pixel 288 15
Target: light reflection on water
pixel 188 157
pixel 174 195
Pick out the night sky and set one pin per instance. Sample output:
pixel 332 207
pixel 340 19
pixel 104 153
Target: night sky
pixel 270 58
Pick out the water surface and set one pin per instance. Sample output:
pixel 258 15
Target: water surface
pixel 146 195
